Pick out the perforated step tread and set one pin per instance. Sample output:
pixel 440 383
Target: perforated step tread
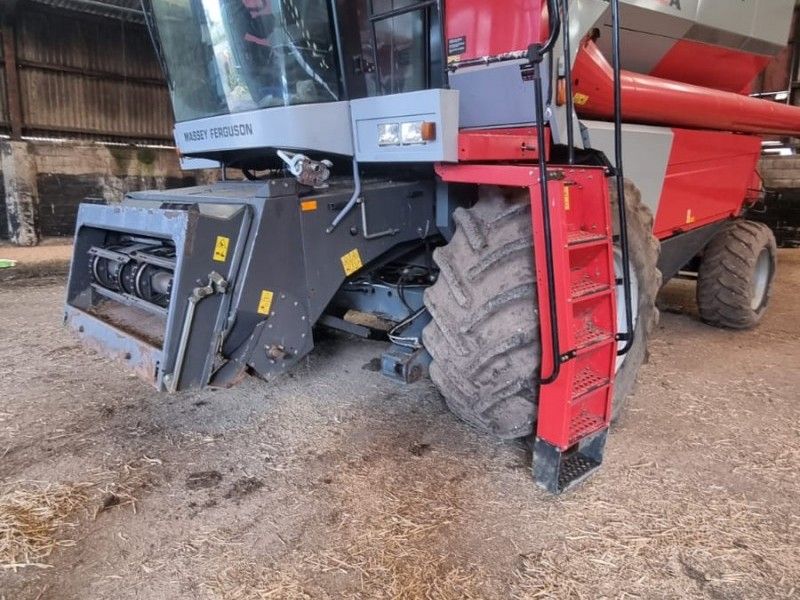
pixel 580 237
pixel 587 380
pixel 590 334
pixel 587 287
pixel 574 468
pixel 584 425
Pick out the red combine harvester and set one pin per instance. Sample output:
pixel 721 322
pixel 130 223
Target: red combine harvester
pixel 506 186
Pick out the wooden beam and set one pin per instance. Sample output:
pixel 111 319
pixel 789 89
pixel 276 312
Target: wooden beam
pixel 13 99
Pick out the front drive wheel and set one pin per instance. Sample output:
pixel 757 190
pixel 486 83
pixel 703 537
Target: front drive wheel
pixel 484 333
pixel 737 269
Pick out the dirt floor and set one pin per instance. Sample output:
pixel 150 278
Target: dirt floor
pixel 51 257
pixel 337 483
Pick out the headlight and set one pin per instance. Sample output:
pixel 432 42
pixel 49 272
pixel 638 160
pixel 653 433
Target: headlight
pixel 418 132
pixel 407 134
pixel 411 133
pixel 389 134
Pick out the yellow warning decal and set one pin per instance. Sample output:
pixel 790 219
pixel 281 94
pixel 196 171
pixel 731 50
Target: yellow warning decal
pixel 221 248
pixel 690 218
pixel 265 303
pixel 580 99
pixel 566 197
pixel 308 205
pixel 351 262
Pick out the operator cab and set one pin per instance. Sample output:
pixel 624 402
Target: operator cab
pixel 250 75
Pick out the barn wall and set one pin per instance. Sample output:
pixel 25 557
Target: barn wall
pixel 97 77
pixel 68 173
pixel 94 118
pixel 781 172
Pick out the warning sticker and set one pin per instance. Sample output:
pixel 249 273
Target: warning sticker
pixel 308 205
pixel 265 303
pixel 580 99
pixel 221 248
pixel 566 197
pixel 457 46
pixel 351 262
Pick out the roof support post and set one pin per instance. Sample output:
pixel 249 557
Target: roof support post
pixel 13 98
pixel 21 191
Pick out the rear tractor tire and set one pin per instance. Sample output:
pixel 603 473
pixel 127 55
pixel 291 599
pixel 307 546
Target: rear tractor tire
pixel 484 333
pixel 737 269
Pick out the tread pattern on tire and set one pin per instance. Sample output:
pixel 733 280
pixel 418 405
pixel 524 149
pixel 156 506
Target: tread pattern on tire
pixel 484 322
pixel 484 333
pixel 727 268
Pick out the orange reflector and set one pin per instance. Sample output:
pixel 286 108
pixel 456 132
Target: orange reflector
pixel 561 92
pixel 308 205
pixel 429 131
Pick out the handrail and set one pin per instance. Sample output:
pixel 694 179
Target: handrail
pixel 628 336
pixel 536 54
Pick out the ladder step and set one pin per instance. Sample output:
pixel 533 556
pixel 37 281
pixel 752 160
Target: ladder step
pixel 583 425
pixel 581 237
pixel 591 335
pixel 587 380
pixel 557 470
pixel 587 287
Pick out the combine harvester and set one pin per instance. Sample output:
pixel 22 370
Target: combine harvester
pixel 454 168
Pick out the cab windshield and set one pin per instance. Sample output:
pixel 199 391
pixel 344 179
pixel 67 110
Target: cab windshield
pixel 229 56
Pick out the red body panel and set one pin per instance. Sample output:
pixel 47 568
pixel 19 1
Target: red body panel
pixel 650 100
pixel 493 28
pixel 708 178
pixel 688 61
pixel 517 143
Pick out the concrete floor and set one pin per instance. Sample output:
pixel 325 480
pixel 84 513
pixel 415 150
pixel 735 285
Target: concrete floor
pixel 336 483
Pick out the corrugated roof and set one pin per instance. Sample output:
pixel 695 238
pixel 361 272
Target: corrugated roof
pixel 127 10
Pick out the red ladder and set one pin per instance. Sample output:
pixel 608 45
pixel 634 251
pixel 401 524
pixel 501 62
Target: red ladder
pixel 575 409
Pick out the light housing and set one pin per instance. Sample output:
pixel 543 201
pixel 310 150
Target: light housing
pixel 407 134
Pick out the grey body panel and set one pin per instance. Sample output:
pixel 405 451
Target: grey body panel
pixel 324 127
pixel 497 94
pixel 438 106
pixel 645 153
pixel 650 28
pixel 331 128
pixel 198 164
